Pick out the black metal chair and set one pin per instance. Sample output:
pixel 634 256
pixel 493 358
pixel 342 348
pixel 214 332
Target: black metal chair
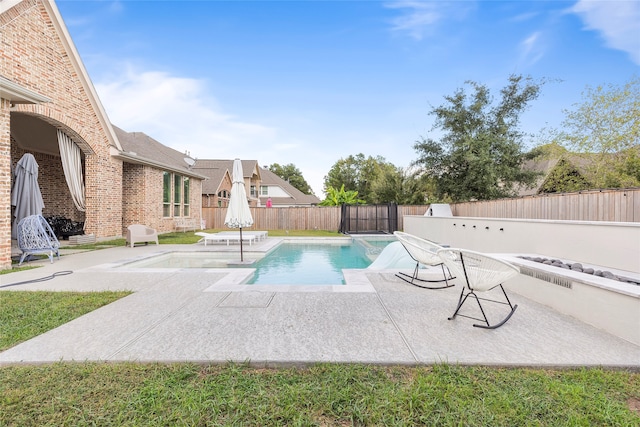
pixel 481 273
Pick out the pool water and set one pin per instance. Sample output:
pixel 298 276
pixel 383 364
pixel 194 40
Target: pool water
pixel 289 264
pixel 309 264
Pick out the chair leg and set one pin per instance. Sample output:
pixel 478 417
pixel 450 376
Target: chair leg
pixel 461 301
pixel 487 325
pixel 503 321
pixel 413 278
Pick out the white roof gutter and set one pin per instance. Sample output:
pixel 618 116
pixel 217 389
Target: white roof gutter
pixel 17 94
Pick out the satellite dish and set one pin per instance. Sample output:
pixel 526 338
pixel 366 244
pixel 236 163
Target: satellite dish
pixel 189 161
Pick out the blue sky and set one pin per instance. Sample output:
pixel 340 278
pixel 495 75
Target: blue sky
pixel 310 82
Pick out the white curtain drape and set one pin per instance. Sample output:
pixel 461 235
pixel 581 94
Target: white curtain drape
pixel 72 166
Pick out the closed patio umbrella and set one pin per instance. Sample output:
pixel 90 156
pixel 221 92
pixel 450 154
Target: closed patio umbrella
pixel 238 213
pixel 25 193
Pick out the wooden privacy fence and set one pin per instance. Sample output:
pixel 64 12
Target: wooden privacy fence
pixel 298 218
pixel 596 205
pixel 292 218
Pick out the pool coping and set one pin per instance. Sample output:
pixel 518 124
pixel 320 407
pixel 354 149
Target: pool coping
pixel 235 279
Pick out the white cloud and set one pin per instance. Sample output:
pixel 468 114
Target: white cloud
pixel 525 17
pixel 417 18
pixel 420 18
pixel 531 49
pixel 617 21
pixel 178 112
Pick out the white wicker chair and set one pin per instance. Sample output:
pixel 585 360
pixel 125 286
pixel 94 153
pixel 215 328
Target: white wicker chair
pixel 481 273
pixel 35 237
pixel 423 252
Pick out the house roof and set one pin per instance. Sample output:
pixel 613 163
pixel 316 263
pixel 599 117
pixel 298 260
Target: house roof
pixel 249 167
pixel 215 170
pixel 215 174
pixel 138 147
pixel 546 164
pixel 297 196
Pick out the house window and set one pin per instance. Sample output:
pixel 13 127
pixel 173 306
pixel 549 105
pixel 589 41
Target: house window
pixel 185 198
pixel 252 191
pixel 166 194
pixel 264 190
pixel 175 195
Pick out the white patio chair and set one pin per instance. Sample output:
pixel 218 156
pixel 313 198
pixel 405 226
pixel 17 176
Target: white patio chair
pixel 35 237
pixel 423 252
pixel 481 273
pixel 138 233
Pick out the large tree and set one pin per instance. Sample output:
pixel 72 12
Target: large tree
pixel 606 126
pixel 291 174
pixel 480 149
pixel 400 186
pixel 357 173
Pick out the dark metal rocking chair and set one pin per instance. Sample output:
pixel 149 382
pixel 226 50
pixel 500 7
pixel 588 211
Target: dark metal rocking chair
pixel 482 273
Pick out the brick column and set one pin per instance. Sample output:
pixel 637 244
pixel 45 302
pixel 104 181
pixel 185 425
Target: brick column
pixel 5 186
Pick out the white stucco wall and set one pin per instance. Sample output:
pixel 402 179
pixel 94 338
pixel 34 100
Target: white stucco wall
pixel 608 244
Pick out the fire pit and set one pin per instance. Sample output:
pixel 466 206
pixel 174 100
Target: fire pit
pixel 576 266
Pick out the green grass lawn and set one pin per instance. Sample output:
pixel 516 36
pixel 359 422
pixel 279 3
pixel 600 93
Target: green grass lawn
pixel 128 394
pixel 23 315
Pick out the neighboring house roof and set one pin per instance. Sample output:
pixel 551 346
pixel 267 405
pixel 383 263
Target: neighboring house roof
pixel 580 162
pixel 297 197
pixel 215 170
pixel 138 147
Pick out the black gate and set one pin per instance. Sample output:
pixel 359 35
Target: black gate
pixel 369 219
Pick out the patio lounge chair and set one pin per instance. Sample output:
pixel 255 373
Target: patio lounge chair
pixel 138 233
pixel 423 252
pixel 224 237
pixel 259 235
pixel 481 273
pixel 35 236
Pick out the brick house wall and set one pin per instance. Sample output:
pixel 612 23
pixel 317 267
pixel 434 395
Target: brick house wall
pixel 35 57
pixel 142 198
pixel 195 199
pixel 36 53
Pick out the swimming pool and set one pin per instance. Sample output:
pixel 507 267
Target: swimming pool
pixel 309 264
pixel 290 263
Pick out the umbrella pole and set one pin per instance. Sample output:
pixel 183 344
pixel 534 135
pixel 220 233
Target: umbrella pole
pixel 241 258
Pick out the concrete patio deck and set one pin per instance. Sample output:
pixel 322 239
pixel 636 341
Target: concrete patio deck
pixel 206 315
